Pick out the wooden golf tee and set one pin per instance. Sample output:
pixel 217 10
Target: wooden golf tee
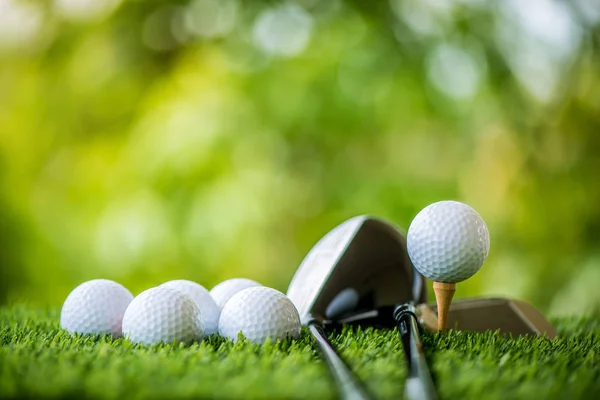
pixel 443 297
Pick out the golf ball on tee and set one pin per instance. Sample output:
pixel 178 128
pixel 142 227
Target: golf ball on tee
pixel 163 314
pixel 208 308
pixel 448 242
pixel 226 289
pixel 95 307
pixel 259 313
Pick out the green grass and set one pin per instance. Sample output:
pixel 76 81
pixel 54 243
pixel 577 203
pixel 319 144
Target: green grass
pixel 37 359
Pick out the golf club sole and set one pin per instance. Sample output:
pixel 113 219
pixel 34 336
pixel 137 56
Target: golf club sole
pixel 506 316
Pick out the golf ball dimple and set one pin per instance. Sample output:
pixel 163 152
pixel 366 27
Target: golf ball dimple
pixel 448 242
pixel 225 290
pixel 95 307
pixel 163 314
pixel 259 313
pixel 208 308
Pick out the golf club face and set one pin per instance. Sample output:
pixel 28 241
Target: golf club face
pixel 363 253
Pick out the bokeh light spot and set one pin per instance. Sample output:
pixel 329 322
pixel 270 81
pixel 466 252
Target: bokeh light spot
pixel 20 23
pixel 454 71
pixel 86 9
pixel 284 30
pixel 211 18
pixel 158 33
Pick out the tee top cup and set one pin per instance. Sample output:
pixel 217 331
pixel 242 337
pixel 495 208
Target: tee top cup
pixel 447 242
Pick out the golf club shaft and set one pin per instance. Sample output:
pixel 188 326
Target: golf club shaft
pixel 419 385
pixel 348 385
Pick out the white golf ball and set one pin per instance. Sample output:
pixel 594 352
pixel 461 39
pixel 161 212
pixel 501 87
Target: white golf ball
pixel 448 242
pixel 259 313
pixel 222 292
pixel 209 310
pixel 95 307
pixel 163 314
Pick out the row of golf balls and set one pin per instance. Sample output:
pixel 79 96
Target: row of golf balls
pixel 181 311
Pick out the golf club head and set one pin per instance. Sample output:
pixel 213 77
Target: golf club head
pixel 514 317
pixel 508 317
pixel 363 253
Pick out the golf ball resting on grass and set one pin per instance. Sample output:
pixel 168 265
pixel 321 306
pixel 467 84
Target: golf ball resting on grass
pixel 179 311
pixel 163 314
pixel 447 242
pixel 95 307
pixel 208 308
pixel 259 313
pixel 222 292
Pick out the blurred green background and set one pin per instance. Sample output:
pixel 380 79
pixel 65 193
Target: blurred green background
pixel 144 141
